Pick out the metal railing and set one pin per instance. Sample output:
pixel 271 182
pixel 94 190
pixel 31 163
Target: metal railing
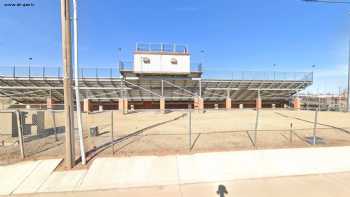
pixel 56 72
pixel 114 72
pixel 101 72
pixel 161 47
pixel 259 75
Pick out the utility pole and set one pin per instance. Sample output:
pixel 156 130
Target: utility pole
pixel 67 83
pixel 76 78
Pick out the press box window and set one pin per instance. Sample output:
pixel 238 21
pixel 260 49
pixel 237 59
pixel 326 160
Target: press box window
pixel 146 60
pixel 173 61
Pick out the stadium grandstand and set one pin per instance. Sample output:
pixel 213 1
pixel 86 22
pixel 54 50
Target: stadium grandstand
pixel 161 76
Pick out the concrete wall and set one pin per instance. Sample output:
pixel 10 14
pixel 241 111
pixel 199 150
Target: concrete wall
pixel 8 124
pixel 34 122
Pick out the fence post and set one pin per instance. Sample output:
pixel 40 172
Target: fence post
pixel 29 71
pixel 54 124
pixel 315 127
pixel 88 131
pixel 20 133
pixel 14 71
pixel 291 133
pixel 43 71
pixel 112 134
pixel 54 120
pixel 256 125
pixel 189 126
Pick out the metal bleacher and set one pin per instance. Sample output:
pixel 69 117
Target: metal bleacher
pixel 35 84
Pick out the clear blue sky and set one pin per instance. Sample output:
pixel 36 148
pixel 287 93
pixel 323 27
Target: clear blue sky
pixel 236 35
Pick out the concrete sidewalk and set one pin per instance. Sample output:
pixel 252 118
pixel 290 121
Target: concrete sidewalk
pixel 170 171
pixel 25 177
pixel 326 185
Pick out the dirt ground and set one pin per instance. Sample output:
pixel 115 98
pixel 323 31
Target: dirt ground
pixel 153 133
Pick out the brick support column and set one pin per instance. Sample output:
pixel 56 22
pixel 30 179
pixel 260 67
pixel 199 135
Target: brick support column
pixel 162 105
pixel 86 105
pixel 49 103
pixel 297 103
pixel 120 104
pixel 228 103
pixel 258 103
pixel 123 105
pixel 195 103
pixel 126 104
pixel 199 103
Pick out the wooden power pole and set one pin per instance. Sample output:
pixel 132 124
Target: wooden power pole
pixel 67 83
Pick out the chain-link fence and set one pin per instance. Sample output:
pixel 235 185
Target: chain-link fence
pixel 150 132
pixel 31 134
pixel 184 131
